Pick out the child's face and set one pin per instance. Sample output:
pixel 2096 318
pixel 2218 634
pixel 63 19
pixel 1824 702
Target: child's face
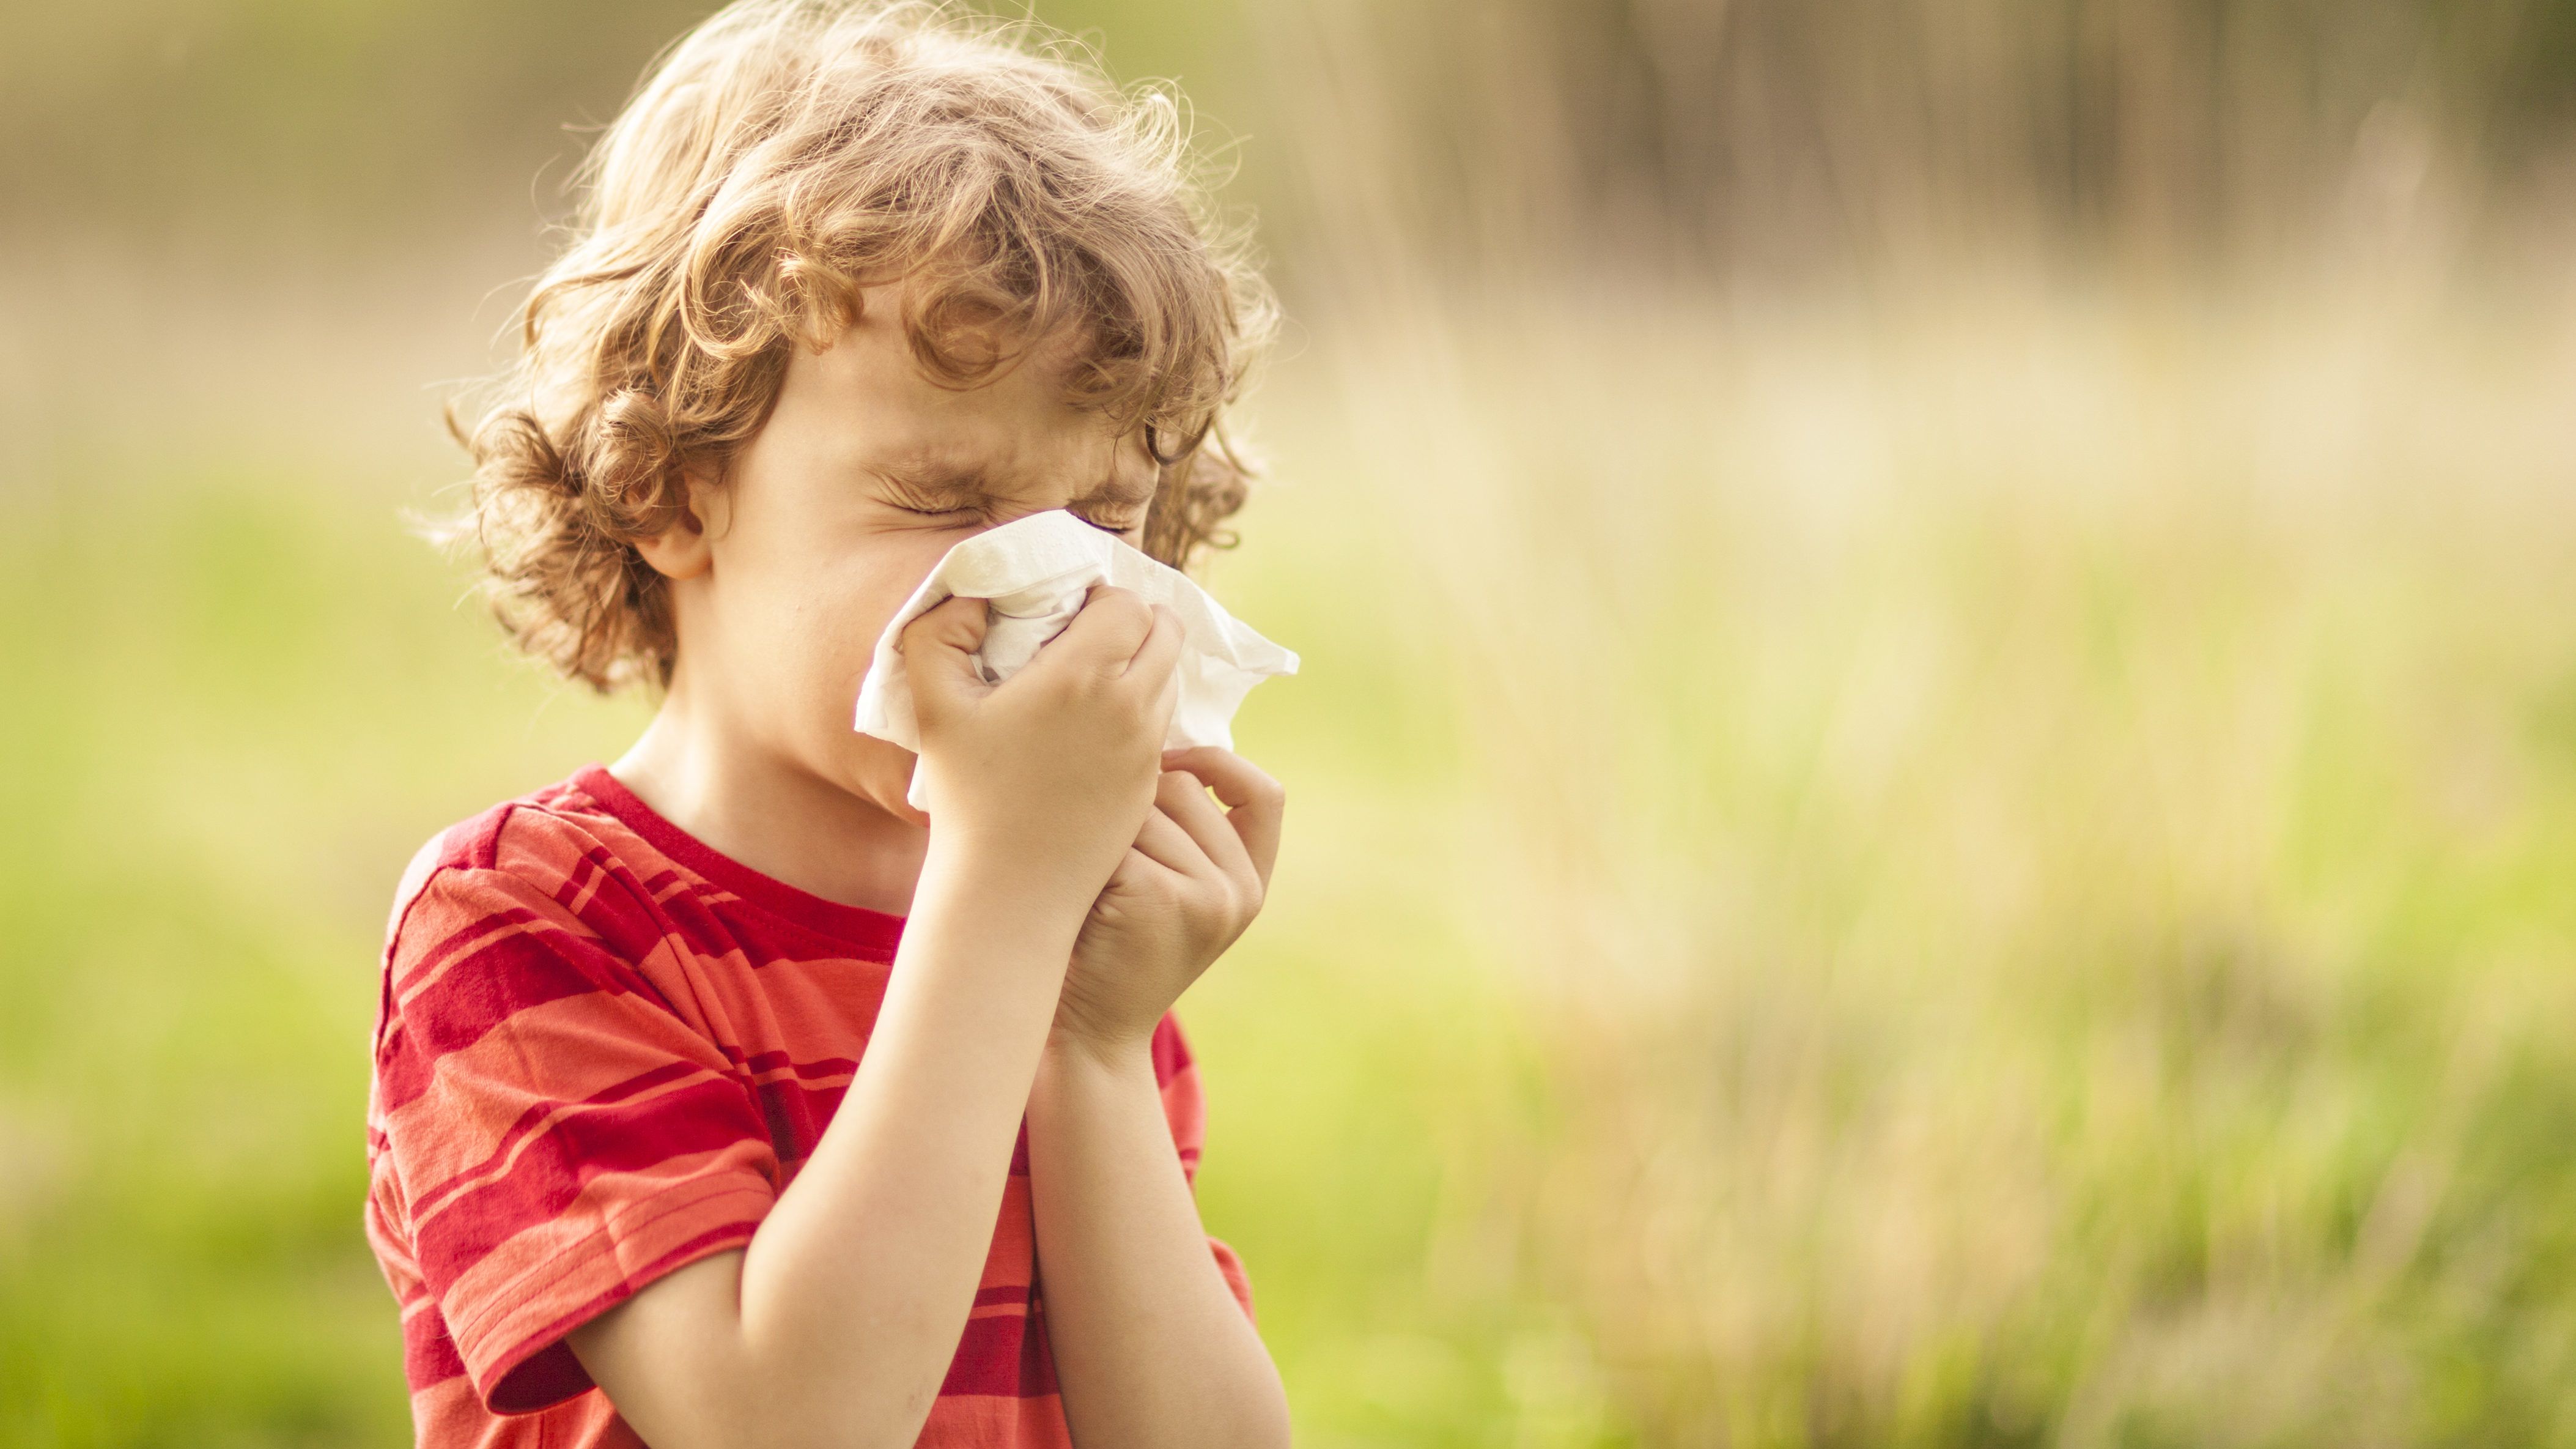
pixel 865 474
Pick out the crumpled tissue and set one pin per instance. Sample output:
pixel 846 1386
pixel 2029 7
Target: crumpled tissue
pixel 1033 573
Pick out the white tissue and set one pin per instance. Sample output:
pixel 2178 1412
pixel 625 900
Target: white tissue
pixel 1033 572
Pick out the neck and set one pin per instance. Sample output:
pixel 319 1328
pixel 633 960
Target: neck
pixel 715 779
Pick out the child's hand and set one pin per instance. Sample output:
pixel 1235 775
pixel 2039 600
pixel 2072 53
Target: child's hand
pixel 1053 768
pixel 1187 888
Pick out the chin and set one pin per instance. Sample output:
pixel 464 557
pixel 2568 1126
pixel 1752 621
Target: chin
pixel 880 772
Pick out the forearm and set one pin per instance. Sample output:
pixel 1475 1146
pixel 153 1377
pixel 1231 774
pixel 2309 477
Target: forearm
pixel 1150 1345
pixel 840 1318
pixel 863 1274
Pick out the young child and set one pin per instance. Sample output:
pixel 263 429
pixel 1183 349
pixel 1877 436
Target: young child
pixel 722 1098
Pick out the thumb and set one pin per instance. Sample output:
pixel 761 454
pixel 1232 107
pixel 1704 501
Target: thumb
pixel 938 649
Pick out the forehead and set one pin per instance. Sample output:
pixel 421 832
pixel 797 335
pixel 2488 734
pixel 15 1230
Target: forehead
pixel 884 411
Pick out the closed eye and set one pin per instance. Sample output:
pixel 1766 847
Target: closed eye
pixel 936 512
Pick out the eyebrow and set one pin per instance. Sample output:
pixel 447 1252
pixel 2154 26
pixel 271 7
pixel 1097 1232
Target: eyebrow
pixel 967 483
pixel 962 484
pixel 1113 491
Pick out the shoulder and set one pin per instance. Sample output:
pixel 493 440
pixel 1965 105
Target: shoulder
pixel 530 888
pixel 522 917
pixel 539 847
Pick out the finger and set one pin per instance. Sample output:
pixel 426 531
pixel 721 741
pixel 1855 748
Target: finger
pixel 1181 796
pixel 1138 871
pixel 938 650
pixel 1157 667
pixel 1162 841
pixel 955 623
pixel 1104 635
pixel 1160 650
pixel 1254 801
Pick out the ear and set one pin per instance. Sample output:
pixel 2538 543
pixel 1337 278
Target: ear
pixel 684 551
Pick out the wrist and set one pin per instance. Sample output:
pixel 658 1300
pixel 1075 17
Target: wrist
pixel 1095 1050
pixel 985 915
pixel 997 864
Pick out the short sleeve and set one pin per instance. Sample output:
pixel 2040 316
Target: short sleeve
pixel 559 1136
pixel 1185 1108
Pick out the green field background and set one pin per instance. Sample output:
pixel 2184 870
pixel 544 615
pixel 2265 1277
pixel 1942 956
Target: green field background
pixel 1933 795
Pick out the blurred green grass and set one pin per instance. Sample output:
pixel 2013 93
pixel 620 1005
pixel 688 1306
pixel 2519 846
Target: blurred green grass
pixel 2040 829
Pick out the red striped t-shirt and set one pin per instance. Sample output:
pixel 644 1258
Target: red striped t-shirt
pixel 602 1051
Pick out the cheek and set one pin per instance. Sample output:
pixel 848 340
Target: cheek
pixel 820 622
pixel 876 579
pixel 839 624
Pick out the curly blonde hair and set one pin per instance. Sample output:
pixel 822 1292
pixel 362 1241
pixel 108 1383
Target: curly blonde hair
pixel 777 159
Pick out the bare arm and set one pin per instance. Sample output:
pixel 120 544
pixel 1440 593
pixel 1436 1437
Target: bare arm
pixel 1149 1342
pixel 1152 1349
pixel 837 1323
